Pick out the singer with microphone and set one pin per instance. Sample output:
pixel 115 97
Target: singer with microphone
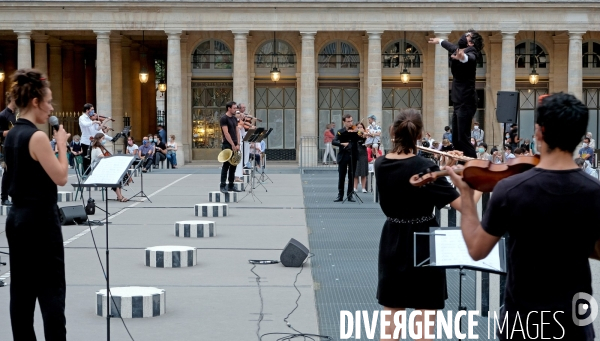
pixel 33 230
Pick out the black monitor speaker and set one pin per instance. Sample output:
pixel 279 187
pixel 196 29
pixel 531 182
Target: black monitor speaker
pixel 293 254
pixel 508 106
pixel 70 215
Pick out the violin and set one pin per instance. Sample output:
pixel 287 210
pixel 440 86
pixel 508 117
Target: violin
pixel 481 175
pixel 105 152
pixel 102 118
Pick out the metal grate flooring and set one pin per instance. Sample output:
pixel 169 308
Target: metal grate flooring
pixel 344 239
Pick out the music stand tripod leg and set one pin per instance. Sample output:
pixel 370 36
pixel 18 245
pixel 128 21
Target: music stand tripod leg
pixel 141 193
pixel 461 274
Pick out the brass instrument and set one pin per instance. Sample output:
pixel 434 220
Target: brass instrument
pixel 228 155
pixel 456 157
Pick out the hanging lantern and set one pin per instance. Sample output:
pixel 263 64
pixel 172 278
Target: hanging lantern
pixel 144 76
pixel 275 74
pixel 534 78
pixel 162 86
pixel 405 76
pixel 1 75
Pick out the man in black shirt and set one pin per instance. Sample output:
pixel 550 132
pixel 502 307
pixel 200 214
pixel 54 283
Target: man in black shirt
pixel 231 140
pixel 464 97
pixel 548 246
pixel 7 120
pixel 345 140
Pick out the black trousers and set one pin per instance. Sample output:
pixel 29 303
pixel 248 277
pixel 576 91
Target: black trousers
pixel 37 269
pixel 228 170
pixel 346 165
pixel 158 157
pixel 461 128
pixel 4 188
pixel 86 157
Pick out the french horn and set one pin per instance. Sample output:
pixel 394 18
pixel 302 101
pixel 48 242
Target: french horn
pixel 228 155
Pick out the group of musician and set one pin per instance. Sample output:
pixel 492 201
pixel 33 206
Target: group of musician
pixel 235 124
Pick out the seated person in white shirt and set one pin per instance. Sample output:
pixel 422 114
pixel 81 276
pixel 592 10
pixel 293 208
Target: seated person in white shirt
pixel 586 167
pixel 255 151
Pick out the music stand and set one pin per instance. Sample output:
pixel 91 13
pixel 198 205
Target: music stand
pixel 251 138
pixel 262 169
pixel 447 249
pixel 141 193
pixel 108 173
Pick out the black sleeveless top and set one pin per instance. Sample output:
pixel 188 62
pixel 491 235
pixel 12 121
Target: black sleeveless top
pixel 28 181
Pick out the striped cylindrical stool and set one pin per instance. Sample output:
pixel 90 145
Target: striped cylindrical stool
pixel 240 186
pixel 132 302
pixel 195 229
pixel 211 210
pixel 4 210
pixel 247 171
pixel 170 256
pixel 93 189
pixel 65 196
pixel 134 172
pixel 246 178
pixel 217 196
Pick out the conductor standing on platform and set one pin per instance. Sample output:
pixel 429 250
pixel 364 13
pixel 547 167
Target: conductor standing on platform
pixel 346 139
pixel 464 97
pixel 33 231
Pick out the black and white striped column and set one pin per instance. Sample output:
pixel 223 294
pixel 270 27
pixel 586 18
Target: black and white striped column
pixel 218 196
pixel 170 256
pixel 195 229
pixel 240 186
pixel 132 302
pixel 4 210
pixel 65 196
pixel 211 210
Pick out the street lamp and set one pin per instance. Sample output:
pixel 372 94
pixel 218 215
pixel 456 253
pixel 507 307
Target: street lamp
pixel 534 78
pixel 162 86
pixel 405 75
pixel 275 73
pixel 144 76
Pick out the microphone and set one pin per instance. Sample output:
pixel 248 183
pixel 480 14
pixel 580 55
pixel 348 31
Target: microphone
pixel 54 122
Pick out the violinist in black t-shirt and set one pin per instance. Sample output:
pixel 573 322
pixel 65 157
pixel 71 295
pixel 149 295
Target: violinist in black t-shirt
pixel 548 247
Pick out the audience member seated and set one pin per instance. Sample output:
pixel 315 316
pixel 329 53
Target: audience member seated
pixel 255 151
pixel 146 153
pixel 482 153
pixel 586 152
pixel 160 151
pixel 172 151
pixel 586 167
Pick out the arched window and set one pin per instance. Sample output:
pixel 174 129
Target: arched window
pixel 212 54
pixel 529 55
pixel 285 57
pixel 401 54
pixel 591 54
pixel 339 55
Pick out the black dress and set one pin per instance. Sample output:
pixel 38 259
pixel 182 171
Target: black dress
pixel 362 162
pixel 409 209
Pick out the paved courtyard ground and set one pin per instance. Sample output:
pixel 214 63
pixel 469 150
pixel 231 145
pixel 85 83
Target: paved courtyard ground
pixel 219 299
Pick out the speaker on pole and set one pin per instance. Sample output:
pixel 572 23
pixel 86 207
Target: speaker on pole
pixel 70 215
pixel 293 254
pixel 508 106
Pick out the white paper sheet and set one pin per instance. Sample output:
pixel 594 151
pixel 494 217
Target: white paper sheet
pixel 109 170
pixel 451 250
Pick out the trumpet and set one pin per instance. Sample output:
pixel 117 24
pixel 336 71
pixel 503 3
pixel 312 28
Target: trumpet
pixel 228 155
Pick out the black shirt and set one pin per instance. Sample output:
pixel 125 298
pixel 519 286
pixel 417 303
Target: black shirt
pixel 232 126
pixel 75 147
pixel 463 75
pixel 399 199
pixel 28 181
pixel 552 222
pixel 162 146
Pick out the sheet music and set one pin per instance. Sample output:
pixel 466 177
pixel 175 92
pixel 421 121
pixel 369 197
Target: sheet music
pixel 451 250
pixel 109 170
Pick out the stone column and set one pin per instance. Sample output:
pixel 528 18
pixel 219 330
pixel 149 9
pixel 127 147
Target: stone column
pixel 308 95
pixel 126 67
pixel 116 67
pixel 374 91
pixel 240 67
pixel 186 105
pixel 174 112
pixel 440 88
pixel 79 79
pixel 68 60
pixel 150 90
pixel 24 49
pixel 41 53
pixel 575 82
pixel 103 103
pixel 136 94
pixel 507 76
pixel 55 75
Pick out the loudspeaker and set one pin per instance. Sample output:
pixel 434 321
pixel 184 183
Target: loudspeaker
pixel 508 106
pixel 293 254
pixel 70 215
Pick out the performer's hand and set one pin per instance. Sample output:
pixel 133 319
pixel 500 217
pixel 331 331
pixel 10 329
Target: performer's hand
pixel 344 144
pixel 459 55
pixel 462 186
pixel 434 40
pixel 236 148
